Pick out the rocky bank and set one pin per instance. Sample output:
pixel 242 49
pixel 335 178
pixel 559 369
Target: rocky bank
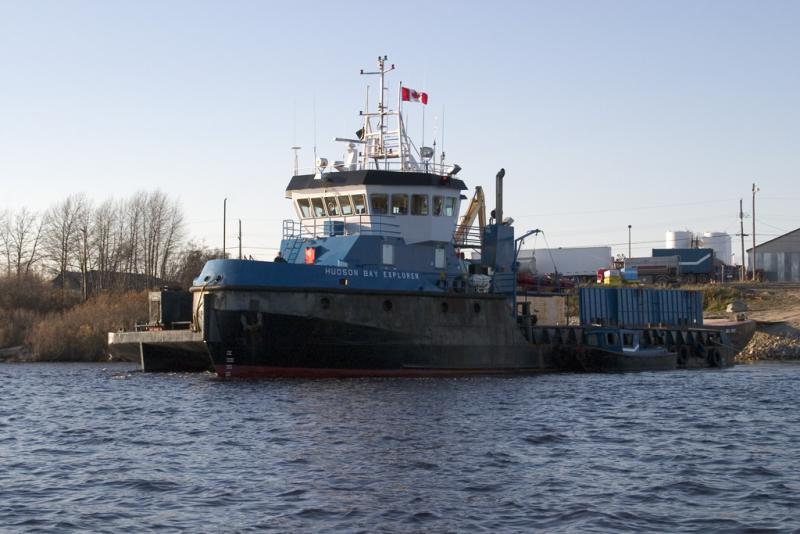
pixel 777 312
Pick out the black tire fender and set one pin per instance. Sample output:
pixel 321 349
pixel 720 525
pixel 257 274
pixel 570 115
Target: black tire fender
pixel 714 358
pixel 683 356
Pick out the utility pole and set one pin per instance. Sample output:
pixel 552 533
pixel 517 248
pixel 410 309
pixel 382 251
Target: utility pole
pixel 240 239
pixel 743 274
pixel 755 190
pixel 629 240
pixel 224 230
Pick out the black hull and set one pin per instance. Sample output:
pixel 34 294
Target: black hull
pixel 599 361
pixel 614 362
pixel 273 345
pixel 328 333
pixel 317 333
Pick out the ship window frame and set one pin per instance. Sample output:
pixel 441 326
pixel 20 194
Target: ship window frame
pixel 401 208
pixel 420 209
pixel 348 203
pixel 437 207
pixel 439 258
pixel 307 214
pixel 314 208
pixel 387 254
pixel 449 206
pixel 375 209
pixel 332 206
pixel 364 208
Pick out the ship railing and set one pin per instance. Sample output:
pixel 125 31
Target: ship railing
pixel 380 225
pixel 390 163
pixel 467 236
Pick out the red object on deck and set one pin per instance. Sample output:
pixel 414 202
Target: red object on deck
pixel 311 255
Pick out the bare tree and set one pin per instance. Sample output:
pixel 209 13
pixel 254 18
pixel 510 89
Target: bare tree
pixel 5 240
pixel 84 238
pixel 105 242
pixel 173 235
pixel 133 216
pixel 23 236
pixel 161 230
pixel 60 234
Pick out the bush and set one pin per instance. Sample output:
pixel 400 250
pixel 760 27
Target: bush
pixel 31 293
pixel 81 333
pixel 14 326
pixel 717 298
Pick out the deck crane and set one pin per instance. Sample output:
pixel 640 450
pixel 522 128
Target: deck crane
pixel 477 208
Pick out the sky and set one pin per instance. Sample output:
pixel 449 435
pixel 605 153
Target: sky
pixel 657 115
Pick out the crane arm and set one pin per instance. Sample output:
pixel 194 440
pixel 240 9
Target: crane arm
pixel 477 208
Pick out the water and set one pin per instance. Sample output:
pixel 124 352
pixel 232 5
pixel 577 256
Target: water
pixel 107 449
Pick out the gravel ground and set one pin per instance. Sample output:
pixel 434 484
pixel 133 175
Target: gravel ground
pixel 777 312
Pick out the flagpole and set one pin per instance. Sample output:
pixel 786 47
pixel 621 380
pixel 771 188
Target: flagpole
pixel 423 132
pixel 400 128
pixel 442 157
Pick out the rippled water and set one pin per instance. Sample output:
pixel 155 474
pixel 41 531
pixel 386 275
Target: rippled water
pixel 107 448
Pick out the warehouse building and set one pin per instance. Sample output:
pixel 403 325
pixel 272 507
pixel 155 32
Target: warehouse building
pixel 778 258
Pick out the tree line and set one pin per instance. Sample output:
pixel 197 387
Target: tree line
pixel 117 244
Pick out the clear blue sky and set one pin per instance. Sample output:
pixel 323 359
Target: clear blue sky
pixel 604 114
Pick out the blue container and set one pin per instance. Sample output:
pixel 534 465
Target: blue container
pixel 597 305
pixel 640 307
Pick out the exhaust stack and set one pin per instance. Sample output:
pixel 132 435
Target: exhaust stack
pixel 498 187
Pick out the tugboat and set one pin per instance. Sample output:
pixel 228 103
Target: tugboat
pixel 370 281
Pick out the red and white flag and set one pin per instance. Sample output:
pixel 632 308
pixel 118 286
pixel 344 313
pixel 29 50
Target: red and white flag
pixel 410 95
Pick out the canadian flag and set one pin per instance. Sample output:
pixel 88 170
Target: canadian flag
pixel 410 95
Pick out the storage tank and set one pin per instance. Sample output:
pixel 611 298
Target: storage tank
pixel 721 243
pixel 679 239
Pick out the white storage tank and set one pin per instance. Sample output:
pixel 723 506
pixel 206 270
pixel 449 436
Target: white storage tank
pixel 679 239
pixel 721 243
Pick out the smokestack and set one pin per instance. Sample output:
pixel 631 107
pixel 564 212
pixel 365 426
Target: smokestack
pixel 498 187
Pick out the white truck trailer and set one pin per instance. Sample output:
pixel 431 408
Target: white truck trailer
pixel 570 262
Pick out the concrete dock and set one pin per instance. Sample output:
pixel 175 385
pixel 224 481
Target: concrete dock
pixel 161 351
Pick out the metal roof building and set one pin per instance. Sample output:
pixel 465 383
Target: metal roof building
pixel 779 258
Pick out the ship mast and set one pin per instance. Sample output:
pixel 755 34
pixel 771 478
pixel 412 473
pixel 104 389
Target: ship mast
pixel 384 143
pixel 377 150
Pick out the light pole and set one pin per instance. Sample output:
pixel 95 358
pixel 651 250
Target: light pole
pixel 755 190
pixel 224 222
pixel 629 240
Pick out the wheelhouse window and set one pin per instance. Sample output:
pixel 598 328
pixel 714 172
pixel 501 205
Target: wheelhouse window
pixel 438 205
pixel 333 208
pixel 399 204
pixel 317 208
pixel 388 254
pixel 346 205
pixel 304 206
pixel 439 258
pixel 419 204
pixel 449 206
pixel 380 203
pixel 359 204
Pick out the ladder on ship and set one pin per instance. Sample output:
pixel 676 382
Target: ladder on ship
pixel 294 239
pixel 293 249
